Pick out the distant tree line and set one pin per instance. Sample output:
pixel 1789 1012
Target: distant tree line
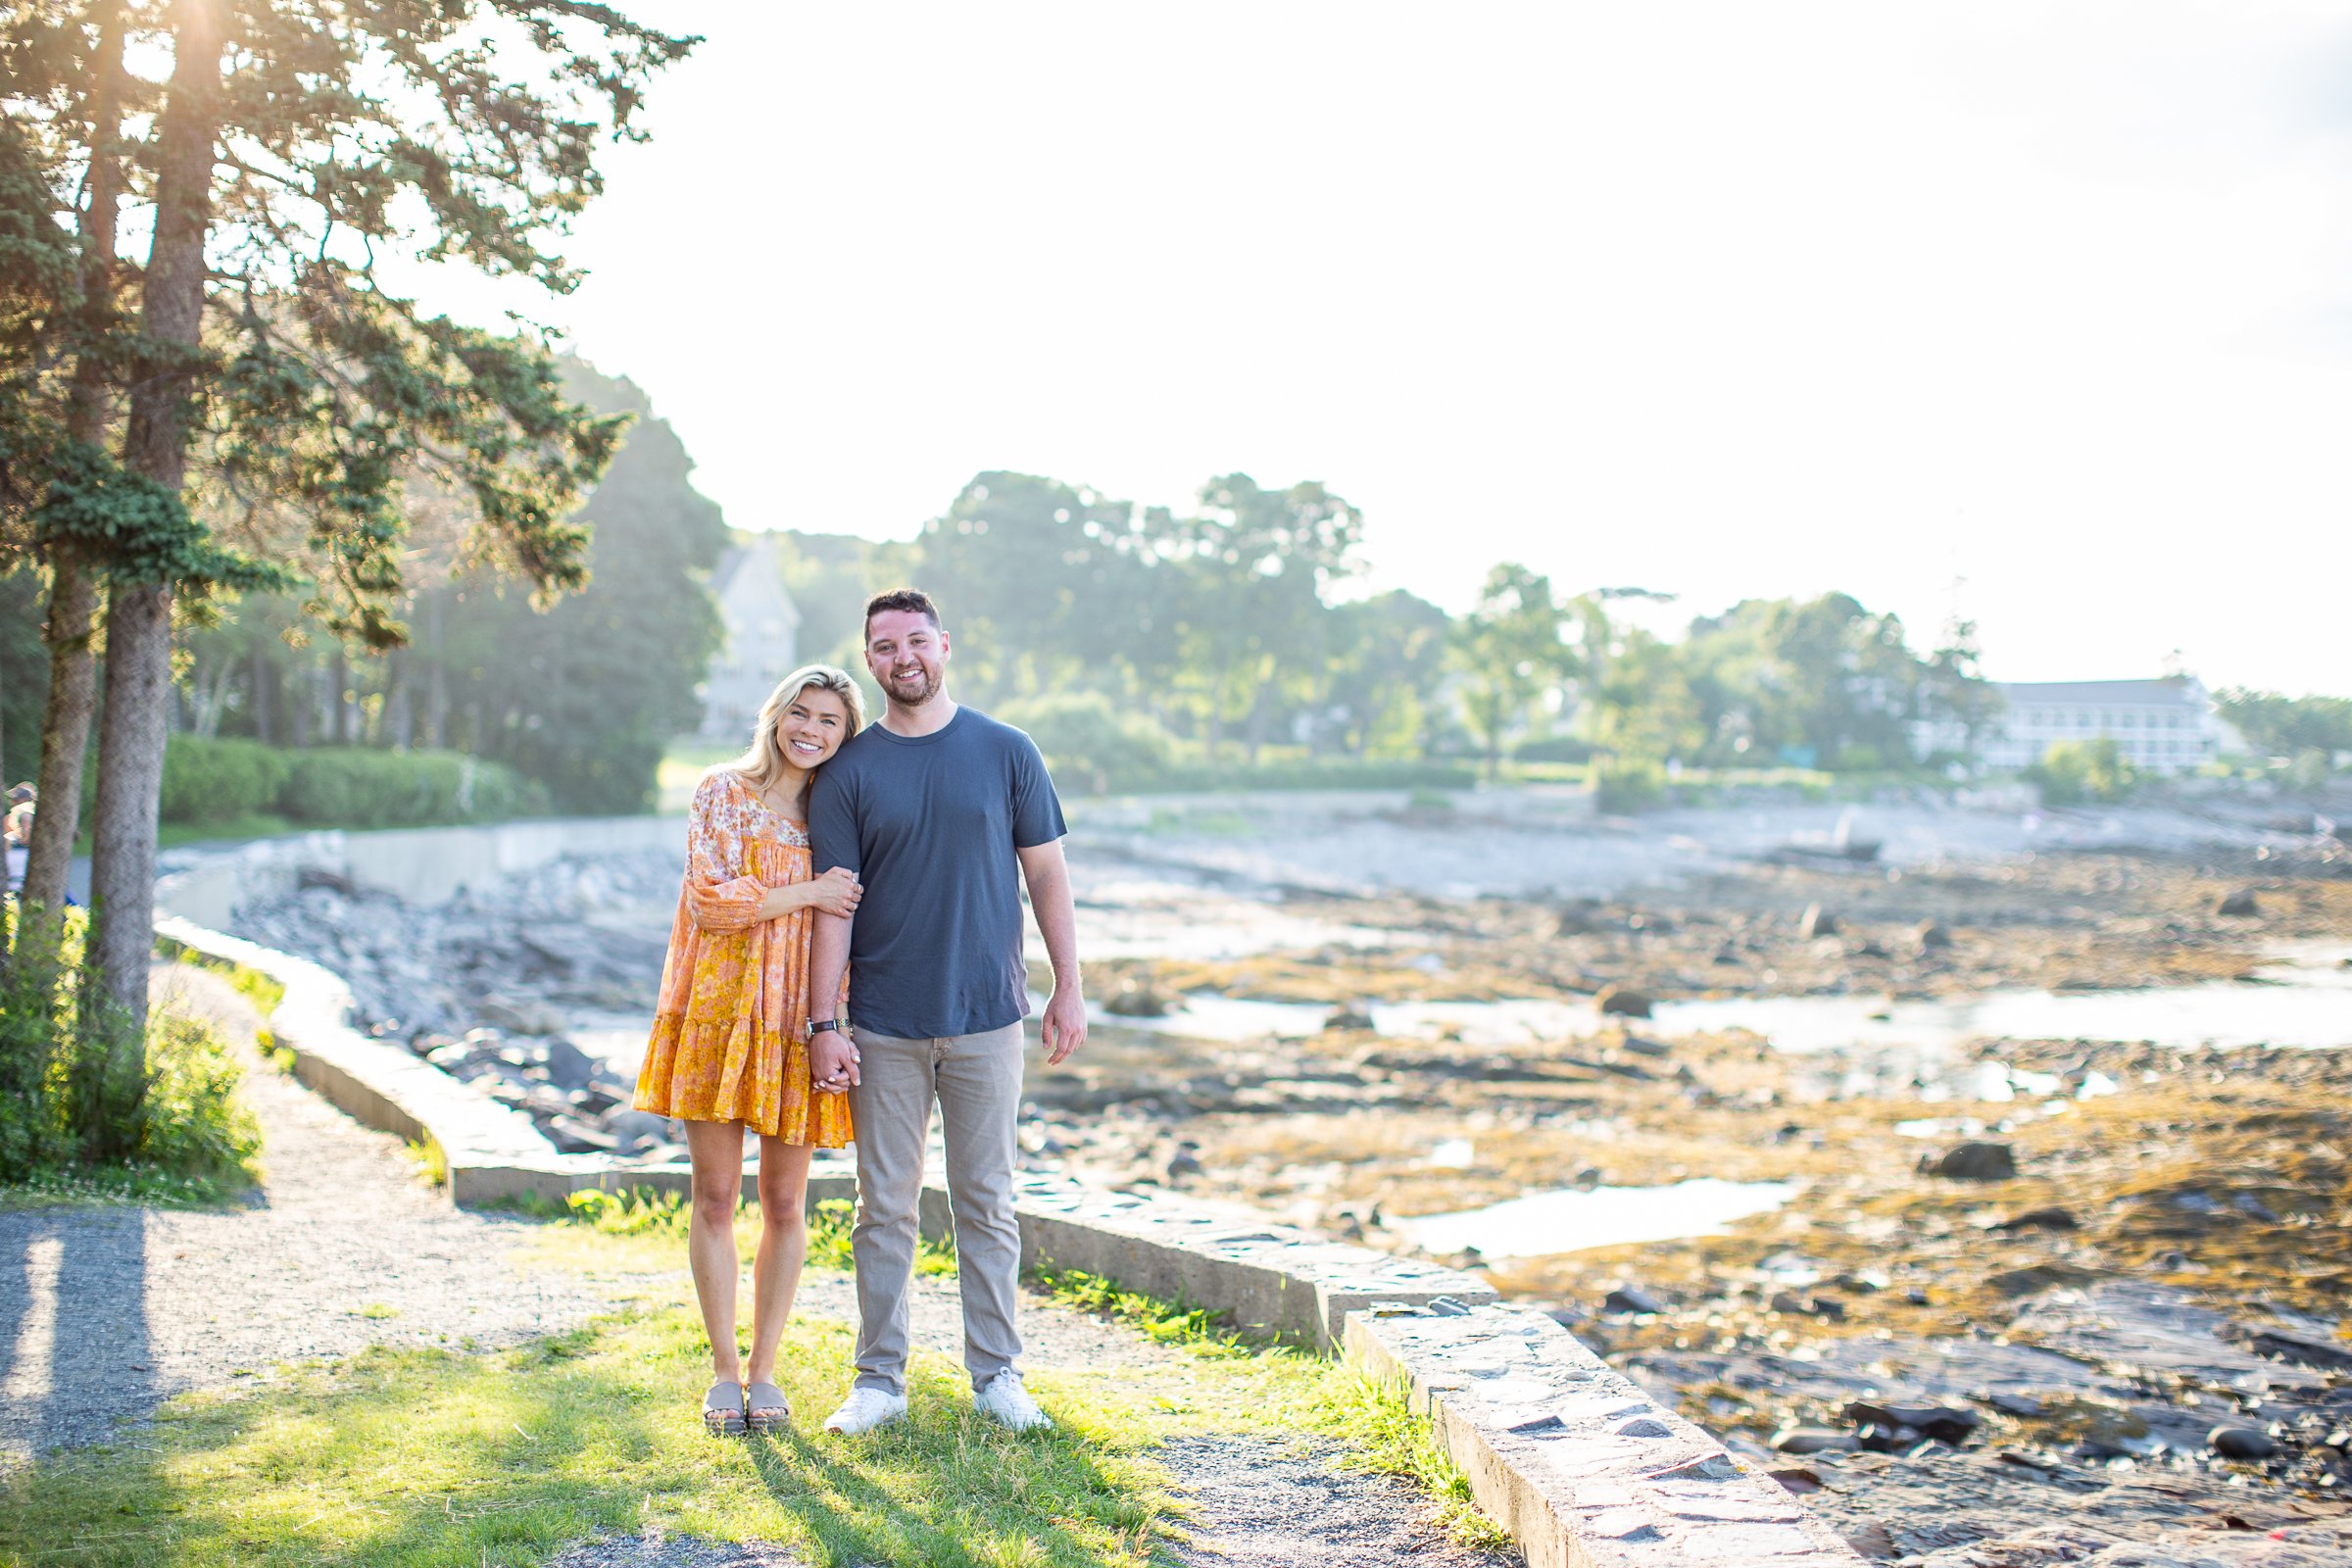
pixel 1228 627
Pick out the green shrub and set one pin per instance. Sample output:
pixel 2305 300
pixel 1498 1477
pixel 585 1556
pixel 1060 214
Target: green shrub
pixel 215 781
pixel 2072 772
pixel 1091 743
pixel 1627 784
pixel 79 1095
pixel 1554 749
pixel 360 787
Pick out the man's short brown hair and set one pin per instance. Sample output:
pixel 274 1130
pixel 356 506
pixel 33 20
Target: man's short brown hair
pixel 910 598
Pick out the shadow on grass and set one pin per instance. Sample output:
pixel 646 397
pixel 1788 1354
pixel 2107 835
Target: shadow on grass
pixel 409 1458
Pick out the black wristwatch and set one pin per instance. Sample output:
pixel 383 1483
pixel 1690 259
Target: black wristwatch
pixel 813 1027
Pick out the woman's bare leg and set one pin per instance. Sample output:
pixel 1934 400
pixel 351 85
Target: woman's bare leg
pixel 716 1149
pixel 783 1245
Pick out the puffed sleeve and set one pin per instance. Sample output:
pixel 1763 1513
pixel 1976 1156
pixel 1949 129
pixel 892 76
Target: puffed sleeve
pixel 719 895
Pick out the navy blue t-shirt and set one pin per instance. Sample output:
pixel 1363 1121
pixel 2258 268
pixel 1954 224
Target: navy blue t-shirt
pixel 929 823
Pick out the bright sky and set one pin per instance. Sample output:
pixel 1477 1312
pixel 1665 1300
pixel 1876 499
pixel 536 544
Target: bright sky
pixel 2038 310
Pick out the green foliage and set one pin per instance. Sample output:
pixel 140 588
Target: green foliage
pixel 1627 784
pixel 81 1097
pixel 1507 652
pixel 214 781
pixel 2277 725
pixel 1168 1322
pixel 1387 1437
pixel 2072 772
pixel 230 781
pixel 352 787
pixel 831 1223
pixel 1091 743
pixel 581 697
pixel 24 675
pixel 635 1211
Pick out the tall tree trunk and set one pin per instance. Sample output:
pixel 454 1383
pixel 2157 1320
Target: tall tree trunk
pixel 71 625
pixel 344 709
pixel 138 621
pixel 436 697
pixel 260 697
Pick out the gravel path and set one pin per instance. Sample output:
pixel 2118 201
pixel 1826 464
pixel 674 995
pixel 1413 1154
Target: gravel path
pixel 105 1313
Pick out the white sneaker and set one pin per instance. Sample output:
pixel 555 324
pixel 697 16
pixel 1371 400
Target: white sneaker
pixel 1005 1400
pixel 866 1409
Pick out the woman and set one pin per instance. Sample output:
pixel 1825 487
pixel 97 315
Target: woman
pixel 729 1048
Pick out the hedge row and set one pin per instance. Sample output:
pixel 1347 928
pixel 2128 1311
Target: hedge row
pixel 336 786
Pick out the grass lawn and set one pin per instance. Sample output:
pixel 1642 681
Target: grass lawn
pixel 432 1457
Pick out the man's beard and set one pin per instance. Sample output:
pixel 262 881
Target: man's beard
pixel 920 694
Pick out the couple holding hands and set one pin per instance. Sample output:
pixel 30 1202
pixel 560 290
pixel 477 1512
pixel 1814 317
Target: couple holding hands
pixel 891 856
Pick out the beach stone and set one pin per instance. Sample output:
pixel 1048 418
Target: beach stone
pixel 1929 936
pixel 1942 1422
pixel 2040 1219
pixel 1811 1440
pixel 2238 901
pixel 1622 1002
pixel 1133 1000
pixel 1973 1161
pixel 1817 922
pixel 2242 1443
pixel 1349 1018
pixel 1630 1299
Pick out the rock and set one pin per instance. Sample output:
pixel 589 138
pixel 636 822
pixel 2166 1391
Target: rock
pixel 567 1065
pixel 1645 1048
pixel 633 1128
pixel 1136 1000
pixel 2020 1405
pixel 2242 1443
pixel 1349 1018
pixel 2239 901
pixel 1622 1002
pixel 1929 936
pixel 2040 1219
pixel 1973 1162
pixel 1821 1306
pixel 1797 1480
pixel 1817 922
pixel 2290 1347
pixel 499 1013
pixel 1811 1440
pixel 1184 1162
pixel 571 1135
pixel 1630 1299
pixel 1945 1423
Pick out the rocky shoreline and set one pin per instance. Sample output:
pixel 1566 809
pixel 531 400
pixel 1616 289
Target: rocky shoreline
pixel 2018 1302
pixel 486 986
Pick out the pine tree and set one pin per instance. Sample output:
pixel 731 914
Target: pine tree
pixel 248 398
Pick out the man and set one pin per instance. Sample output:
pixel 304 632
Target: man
pixel 934 808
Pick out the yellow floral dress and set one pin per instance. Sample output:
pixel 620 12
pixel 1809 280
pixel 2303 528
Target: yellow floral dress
pixel 727 1044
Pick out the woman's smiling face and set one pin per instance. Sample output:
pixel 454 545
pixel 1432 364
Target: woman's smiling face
pixel 813 726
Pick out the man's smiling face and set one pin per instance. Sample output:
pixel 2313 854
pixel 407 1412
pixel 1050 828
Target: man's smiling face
pixel 906 654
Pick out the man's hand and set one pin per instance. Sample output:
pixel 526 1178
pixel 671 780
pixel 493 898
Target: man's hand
pixel 1065 1024
pixel 832 1063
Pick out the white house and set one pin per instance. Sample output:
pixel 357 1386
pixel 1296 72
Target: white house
pixel 2161 726
pixel 760 642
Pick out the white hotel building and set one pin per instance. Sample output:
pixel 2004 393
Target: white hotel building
pixel 2161 726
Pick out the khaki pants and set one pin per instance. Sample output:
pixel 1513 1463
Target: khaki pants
pixel 977 1081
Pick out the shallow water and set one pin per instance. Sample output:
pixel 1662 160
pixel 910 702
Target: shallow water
pixel 2305 1001
pixel 1569 1219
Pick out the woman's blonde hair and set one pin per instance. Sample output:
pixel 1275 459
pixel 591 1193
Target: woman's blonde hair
pixel 765 763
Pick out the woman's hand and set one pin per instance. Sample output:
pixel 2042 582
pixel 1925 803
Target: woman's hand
pixel 835 892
